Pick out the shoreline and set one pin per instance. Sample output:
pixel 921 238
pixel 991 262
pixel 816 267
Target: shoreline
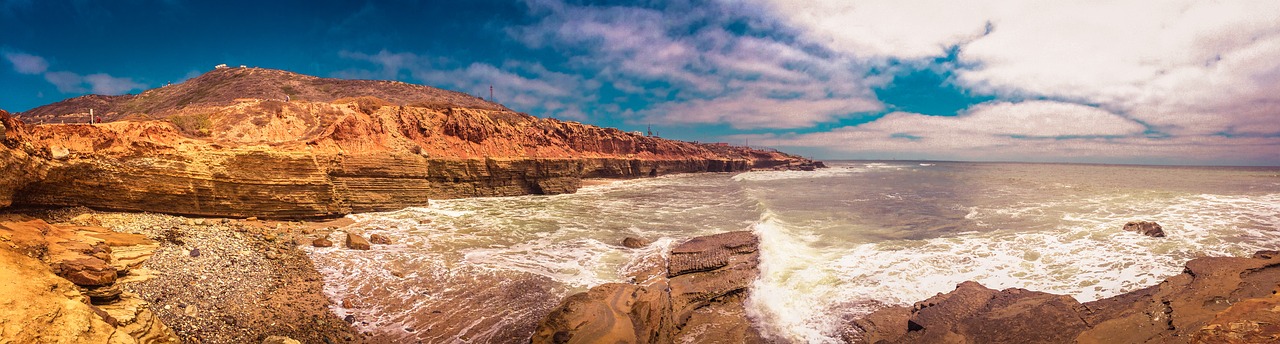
pixel 220 280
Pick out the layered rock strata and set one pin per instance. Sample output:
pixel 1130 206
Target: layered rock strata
pixel 321 154
pixel 1214 300
pixel 61 284
pixel 697 298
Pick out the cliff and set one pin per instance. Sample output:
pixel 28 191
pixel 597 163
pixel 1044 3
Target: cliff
pixel 208 147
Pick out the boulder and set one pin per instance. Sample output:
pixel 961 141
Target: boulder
pixel 86 271
pixel 1215 300
pixel 634 242
pixel 698 300
pixel 357 242
pixel 379 239
pixel 1148 228
pixel 322 242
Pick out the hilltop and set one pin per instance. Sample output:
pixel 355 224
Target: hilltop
pixel 224 86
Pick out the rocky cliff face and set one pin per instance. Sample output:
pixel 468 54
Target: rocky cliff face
pixel 697 298
pixel 317 155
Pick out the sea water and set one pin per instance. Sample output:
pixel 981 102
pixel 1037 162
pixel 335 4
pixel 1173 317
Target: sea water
pixel 835 243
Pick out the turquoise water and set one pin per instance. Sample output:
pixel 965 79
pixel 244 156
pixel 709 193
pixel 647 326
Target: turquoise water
pixel 836 243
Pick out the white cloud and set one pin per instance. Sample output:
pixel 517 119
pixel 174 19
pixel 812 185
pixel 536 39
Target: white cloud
pixel 750 112
pixel 26 63
pixel 520 85
pixel 1001 131
pixel 67 82
pixel 1185 66
pixel 102 83
pixel 70 82
pixel 715 76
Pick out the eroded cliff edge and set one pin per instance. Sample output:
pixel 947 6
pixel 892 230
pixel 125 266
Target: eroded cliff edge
pixel 257 142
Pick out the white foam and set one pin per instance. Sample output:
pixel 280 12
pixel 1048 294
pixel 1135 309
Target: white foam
pixel 804 288
pixel 578 263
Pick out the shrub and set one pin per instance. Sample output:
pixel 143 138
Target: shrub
pixel 196 124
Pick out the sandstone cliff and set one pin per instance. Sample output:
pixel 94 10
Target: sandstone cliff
pixel 227 144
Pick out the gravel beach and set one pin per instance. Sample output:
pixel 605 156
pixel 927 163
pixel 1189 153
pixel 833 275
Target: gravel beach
pixel 227 280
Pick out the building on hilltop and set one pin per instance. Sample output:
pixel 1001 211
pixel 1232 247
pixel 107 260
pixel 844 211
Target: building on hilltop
pixel 220 66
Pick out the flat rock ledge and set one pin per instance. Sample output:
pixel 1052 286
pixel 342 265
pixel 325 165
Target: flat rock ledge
pixel 696 298
pixel 61 284
pixel 1214 300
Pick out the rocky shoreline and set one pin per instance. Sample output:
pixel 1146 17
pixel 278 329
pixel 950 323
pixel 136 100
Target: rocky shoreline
pixel 214 280
pixel 225 280
pixel 699 298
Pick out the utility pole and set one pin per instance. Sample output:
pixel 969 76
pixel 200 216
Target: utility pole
pixel 491 94
pixel 91 116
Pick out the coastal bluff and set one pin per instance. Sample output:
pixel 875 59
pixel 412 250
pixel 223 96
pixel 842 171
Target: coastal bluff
pixel 243 142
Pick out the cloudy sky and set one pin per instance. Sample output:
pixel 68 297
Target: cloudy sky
pixel 1163 82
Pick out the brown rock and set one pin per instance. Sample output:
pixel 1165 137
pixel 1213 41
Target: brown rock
pixel 322 242
pixel 87 271
pixel 1266 254
pixel 1215 300
pixel 1148 228
pixel 634 242
pixel 379 239
pixel 104 294
pixel 357 242
pixel 40 307
pixel 703 289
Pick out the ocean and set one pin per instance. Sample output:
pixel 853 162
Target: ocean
pixel 835 243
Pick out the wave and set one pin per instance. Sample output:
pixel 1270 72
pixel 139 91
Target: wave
pixel 809 289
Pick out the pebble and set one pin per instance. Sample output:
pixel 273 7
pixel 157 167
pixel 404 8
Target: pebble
pixel 195 252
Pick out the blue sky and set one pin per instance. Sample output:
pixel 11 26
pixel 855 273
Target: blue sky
pixel 1172 82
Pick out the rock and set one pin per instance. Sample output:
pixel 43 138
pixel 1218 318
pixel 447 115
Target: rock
pixel 195 252
pixel 1148 228
pixel 322 242
pixel 1215 300
pixel 379 239
pixel 103 294
pixel 356 242
pixel 40 307
pixel 699 300
pixel 280 340
pixel 634 242
pixel 308 230
pixel 190 310
pixel 87 271
pixel 1266 254
pixel 251 219
pixel 59 152
pixel 272 255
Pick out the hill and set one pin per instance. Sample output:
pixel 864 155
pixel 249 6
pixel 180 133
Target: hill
pixel 223 86
pixel 226 144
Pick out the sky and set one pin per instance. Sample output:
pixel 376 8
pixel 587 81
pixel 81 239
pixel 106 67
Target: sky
pixel 1132 82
